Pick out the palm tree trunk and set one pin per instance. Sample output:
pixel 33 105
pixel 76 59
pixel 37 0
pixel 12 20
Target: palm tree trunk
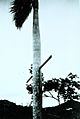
pixel 37 88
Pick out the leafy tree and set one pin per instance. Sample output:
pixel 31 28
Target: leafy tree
pixel 69 90
pixel 65 88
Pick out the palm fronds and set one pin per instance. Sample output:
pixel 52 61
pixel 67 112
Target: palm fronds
pixel 21 10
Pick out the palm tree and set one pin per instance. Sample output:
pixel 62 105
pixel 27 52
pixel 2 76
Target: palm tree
pixel 21 10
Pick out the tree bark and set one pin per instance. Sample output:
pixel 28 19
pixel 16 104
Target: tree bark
pixel 37 87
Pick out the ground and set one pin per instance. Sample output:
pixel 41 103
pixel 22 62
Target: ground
pixel 67 110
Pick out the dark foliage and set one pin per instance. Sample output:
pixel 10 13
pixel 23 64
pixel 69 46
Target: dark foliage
pixel 68 87
pixel 65 88
pixel 21 10
pixel 68 110
pixel 9 110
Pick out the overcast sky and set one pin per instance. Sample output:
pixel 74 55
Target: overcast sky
pixel 60 37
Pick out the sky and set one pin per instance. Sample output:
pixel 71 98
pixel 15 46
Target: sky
pixel 59 30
